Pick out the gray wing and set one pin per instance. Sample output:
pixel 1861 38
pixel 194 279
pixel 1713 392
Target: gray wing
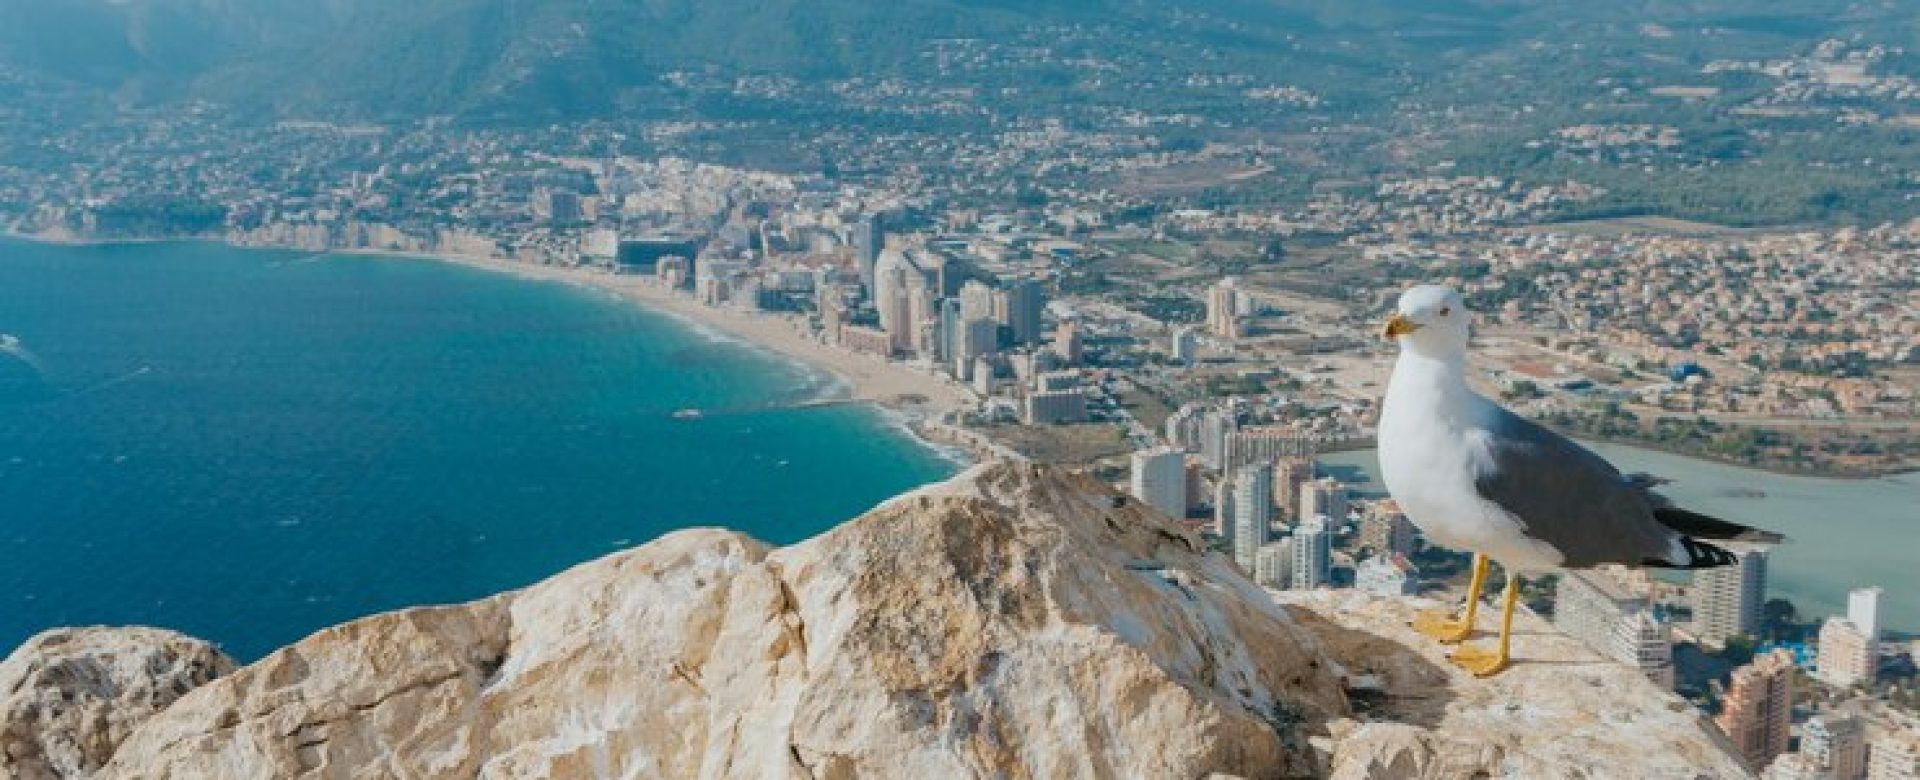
pixel 1569 497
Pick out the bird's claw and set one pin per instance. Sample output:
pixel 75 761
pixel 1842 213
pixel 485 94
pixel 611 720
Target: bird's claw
pixel 1444 627
pixel 1478 661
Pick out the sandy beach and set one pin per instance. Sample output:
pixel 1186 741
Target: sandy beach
pixel 892 384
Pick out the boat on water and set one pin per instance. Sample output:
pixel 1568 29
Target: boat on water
pixel 688 414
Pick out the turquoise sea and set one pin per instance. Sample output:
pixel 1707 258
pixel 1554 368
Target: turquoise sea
pixel 251 445
pixel 1841 533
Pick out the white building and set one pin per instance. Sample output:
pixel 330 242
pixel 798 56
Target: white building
pixel 1895 756
pixel 1252 513
pixel 1850 646
pixel 1186 345
pixel 1727 600
pixel 1847 656
pixel 1183 427
pixel 1835 744
pixel 1265 445
pixel 1863 609
pixel 1390 574
pixel 1312 553
pixel 1273 564
pixel 1601 612
pixel 1160 480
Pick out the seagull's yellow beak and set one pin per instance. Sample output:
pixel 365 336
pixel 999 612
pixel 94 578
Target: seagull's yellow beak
pixel 1398 326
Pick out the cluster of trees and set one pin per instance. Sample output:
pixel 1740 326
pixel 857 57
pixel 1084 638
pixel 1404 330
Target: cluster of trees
pixel 153 217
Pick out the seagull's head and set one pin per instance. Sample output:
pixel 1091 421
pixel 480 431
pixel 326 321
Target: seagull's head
pixel 1431 320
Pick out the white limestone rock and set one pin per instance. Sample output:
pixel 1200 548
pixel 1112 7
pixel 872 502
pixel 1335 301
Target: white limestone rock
pixel 69 696
pixel 1014 623
pixel 1560 711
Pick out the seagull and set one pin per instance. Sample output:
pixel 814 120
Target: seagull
pixel 1474 476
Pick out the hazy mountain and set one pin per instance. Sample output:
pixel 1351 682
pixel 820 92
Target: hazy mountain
pixel 549 58
pixel 577 56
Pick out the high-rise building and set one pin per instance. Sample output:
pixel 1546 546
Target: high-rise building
pixel 904 295
pixel 1160 480
pixel 1252 513
pixel 923 316
pixel 1324 497
pixel 976 301
pixel 1850 646
pixel 1863 610
pixel 1894 756
pixel 1215 424
pixel 1835 744
pixel 1652 641
pixel 1223 309
pixel 1223 507
pixel 1265 445
pixel 952 336
pixel 1312 553
pixel 1386 530
pixel 1025 302
pixel 1183 427
pixel 977 339
pixel 1068 343
pixel 1186 345
pixel 1727 600
pixel 1196 485
pixel 1757 711
pixel 1618 624
pixel 868 239
pixel 1288 475
pixel 1273 564
pixel 890 298
pixel 1388 574
pixel 1847 656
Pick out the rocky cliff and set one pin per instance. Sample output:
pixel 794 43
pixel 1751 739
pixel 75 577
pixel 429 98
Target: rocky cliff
pixel 68 697
pixel 1017 621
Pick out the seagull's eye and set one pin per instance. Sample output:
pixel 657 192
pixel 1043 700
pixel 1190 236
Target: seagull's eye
pixel 1446 310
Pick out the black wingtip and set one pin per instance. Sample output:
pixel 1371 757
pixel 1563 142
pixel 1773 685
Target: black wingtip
pixel 1700 555
pixel 1701 526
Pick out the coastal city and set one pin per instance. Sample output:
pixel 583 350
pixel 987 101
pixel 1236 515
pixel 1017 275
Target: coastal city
pixel 1142 345
pixel 1148 249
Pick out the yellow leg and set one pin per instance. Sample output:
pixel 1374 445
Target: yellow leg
pixel 1444 626
pixel 1485 663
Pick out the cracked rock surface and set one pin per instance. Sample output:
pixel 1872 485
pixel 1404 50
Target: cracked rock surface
pixel 70 696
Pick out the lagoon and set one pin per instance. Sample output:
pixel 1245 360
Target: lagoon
pixel 1842 533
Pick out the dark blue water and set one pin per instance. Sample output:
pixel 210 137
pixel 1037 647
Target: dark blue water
pixel 248 446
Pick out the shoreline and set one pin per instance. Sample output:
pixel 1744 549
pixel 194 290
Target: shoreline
pixel 1849 475
pixel 856 377
pixel 907 395
pixel 860 378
